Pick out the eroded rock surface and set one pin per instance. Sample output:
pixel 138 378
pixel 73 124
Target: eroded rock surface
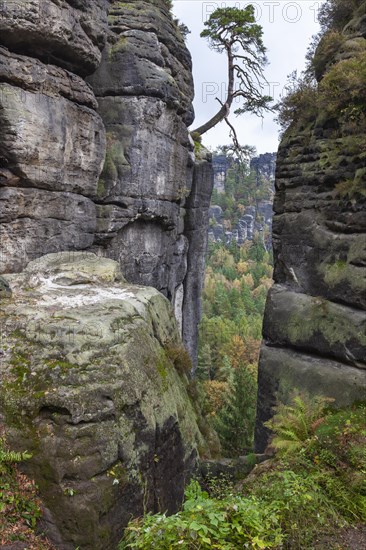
pixel 109 173
pixel 89 380
pixel 145 91
pixel 52 149
pixel 68 33
pixel 315 321
pixel 89 386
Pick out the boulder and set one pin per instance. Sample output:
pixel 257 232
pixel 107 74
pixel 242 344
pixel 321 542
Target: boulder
pixel 94 384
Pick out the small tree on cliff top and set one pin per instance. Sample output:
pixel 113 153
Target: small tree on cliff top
pixel 234 31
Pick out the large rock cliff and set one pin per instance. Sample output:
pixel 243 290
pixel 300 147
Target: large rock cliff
pixel 52 141
pixel 96 159
pixel 106 166
pixel 314 327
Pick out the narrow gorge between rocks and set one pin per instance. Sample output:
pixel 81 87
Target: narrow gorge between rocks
pixel 106 216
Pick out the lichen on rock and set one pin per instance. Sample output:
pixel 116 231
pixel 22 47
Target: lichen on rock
pixel 314 327
pixel 89 386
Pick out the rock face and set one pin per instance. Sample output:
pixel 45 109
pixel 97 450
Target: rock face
pixel 52 141
pixel 314 328
pixel 95 157
pixel 196 224
pixel 112 174
pixel 67 33
pixel 144 89
pixel 91 362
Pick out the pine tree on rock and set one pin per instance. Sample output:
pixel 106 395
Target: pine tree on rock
pixel 233 31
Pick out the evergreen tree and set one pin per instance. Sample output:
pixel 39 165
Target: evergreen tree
pixel 235 421
pixel 235 33
pixel 204 368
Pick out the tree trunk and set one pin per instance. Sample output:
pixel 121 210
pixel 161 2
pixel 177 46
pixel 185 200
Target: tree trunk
pixel 225 107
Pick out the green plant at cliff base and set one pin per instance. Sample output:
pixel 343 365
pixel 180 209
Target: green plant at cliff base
pixel 294 425
pixel 205 523
pixel 19 505
pixel 301 499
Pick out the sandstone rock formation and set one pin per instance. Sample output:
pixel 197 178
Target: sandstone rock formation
pixel 314 328
pixel 146 190
pixel 52 141
pixel 90 386
pixel 89 380
pixel 112 175
pixel 257 215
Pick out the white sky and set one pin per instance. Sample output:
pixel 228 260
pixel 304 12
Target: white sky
pixel 287 31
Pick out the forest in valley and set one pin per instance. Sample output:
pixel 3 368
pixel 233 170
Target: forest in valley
pixel 237 280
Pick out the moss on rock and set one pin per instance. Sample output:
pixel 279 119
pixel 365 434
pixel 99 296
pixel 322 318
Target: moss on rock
pixel 89 387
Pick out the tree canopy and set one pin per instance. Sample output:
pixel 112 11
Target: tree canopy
pixel 234 31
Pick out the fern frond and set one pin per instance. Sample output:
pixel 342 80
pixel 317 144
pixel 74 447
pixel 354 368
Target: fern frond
pixel 293 424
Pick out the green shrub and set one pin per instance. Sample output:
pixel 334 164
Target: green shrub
pixel 294 425
pixel 329 44
pixel 180 358
pixel 339 452
pixel 298 105
pixel 206 523
pixel 290 502
pixel 343 88
pixel 302 506
pixel 352 188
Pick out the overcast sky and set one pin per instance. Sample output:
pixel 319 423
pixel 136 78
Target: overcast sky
pixel 287 31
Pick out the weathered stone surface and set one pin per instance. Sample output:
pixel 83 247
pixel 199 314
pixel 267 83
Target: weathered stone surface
pixel 35 221
pixel 148 151
pixel 86 357
pixel 53 144
pixel 150 254
pixel 315 319
pixel 104 411
pixel 50 142
pixel 316 325
pixel 145 91
pixel 5 290
pixel 146 56
pixel 140 218
pixel 319 243
pixel 66 33
pixel 52 147
pixel 30 74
